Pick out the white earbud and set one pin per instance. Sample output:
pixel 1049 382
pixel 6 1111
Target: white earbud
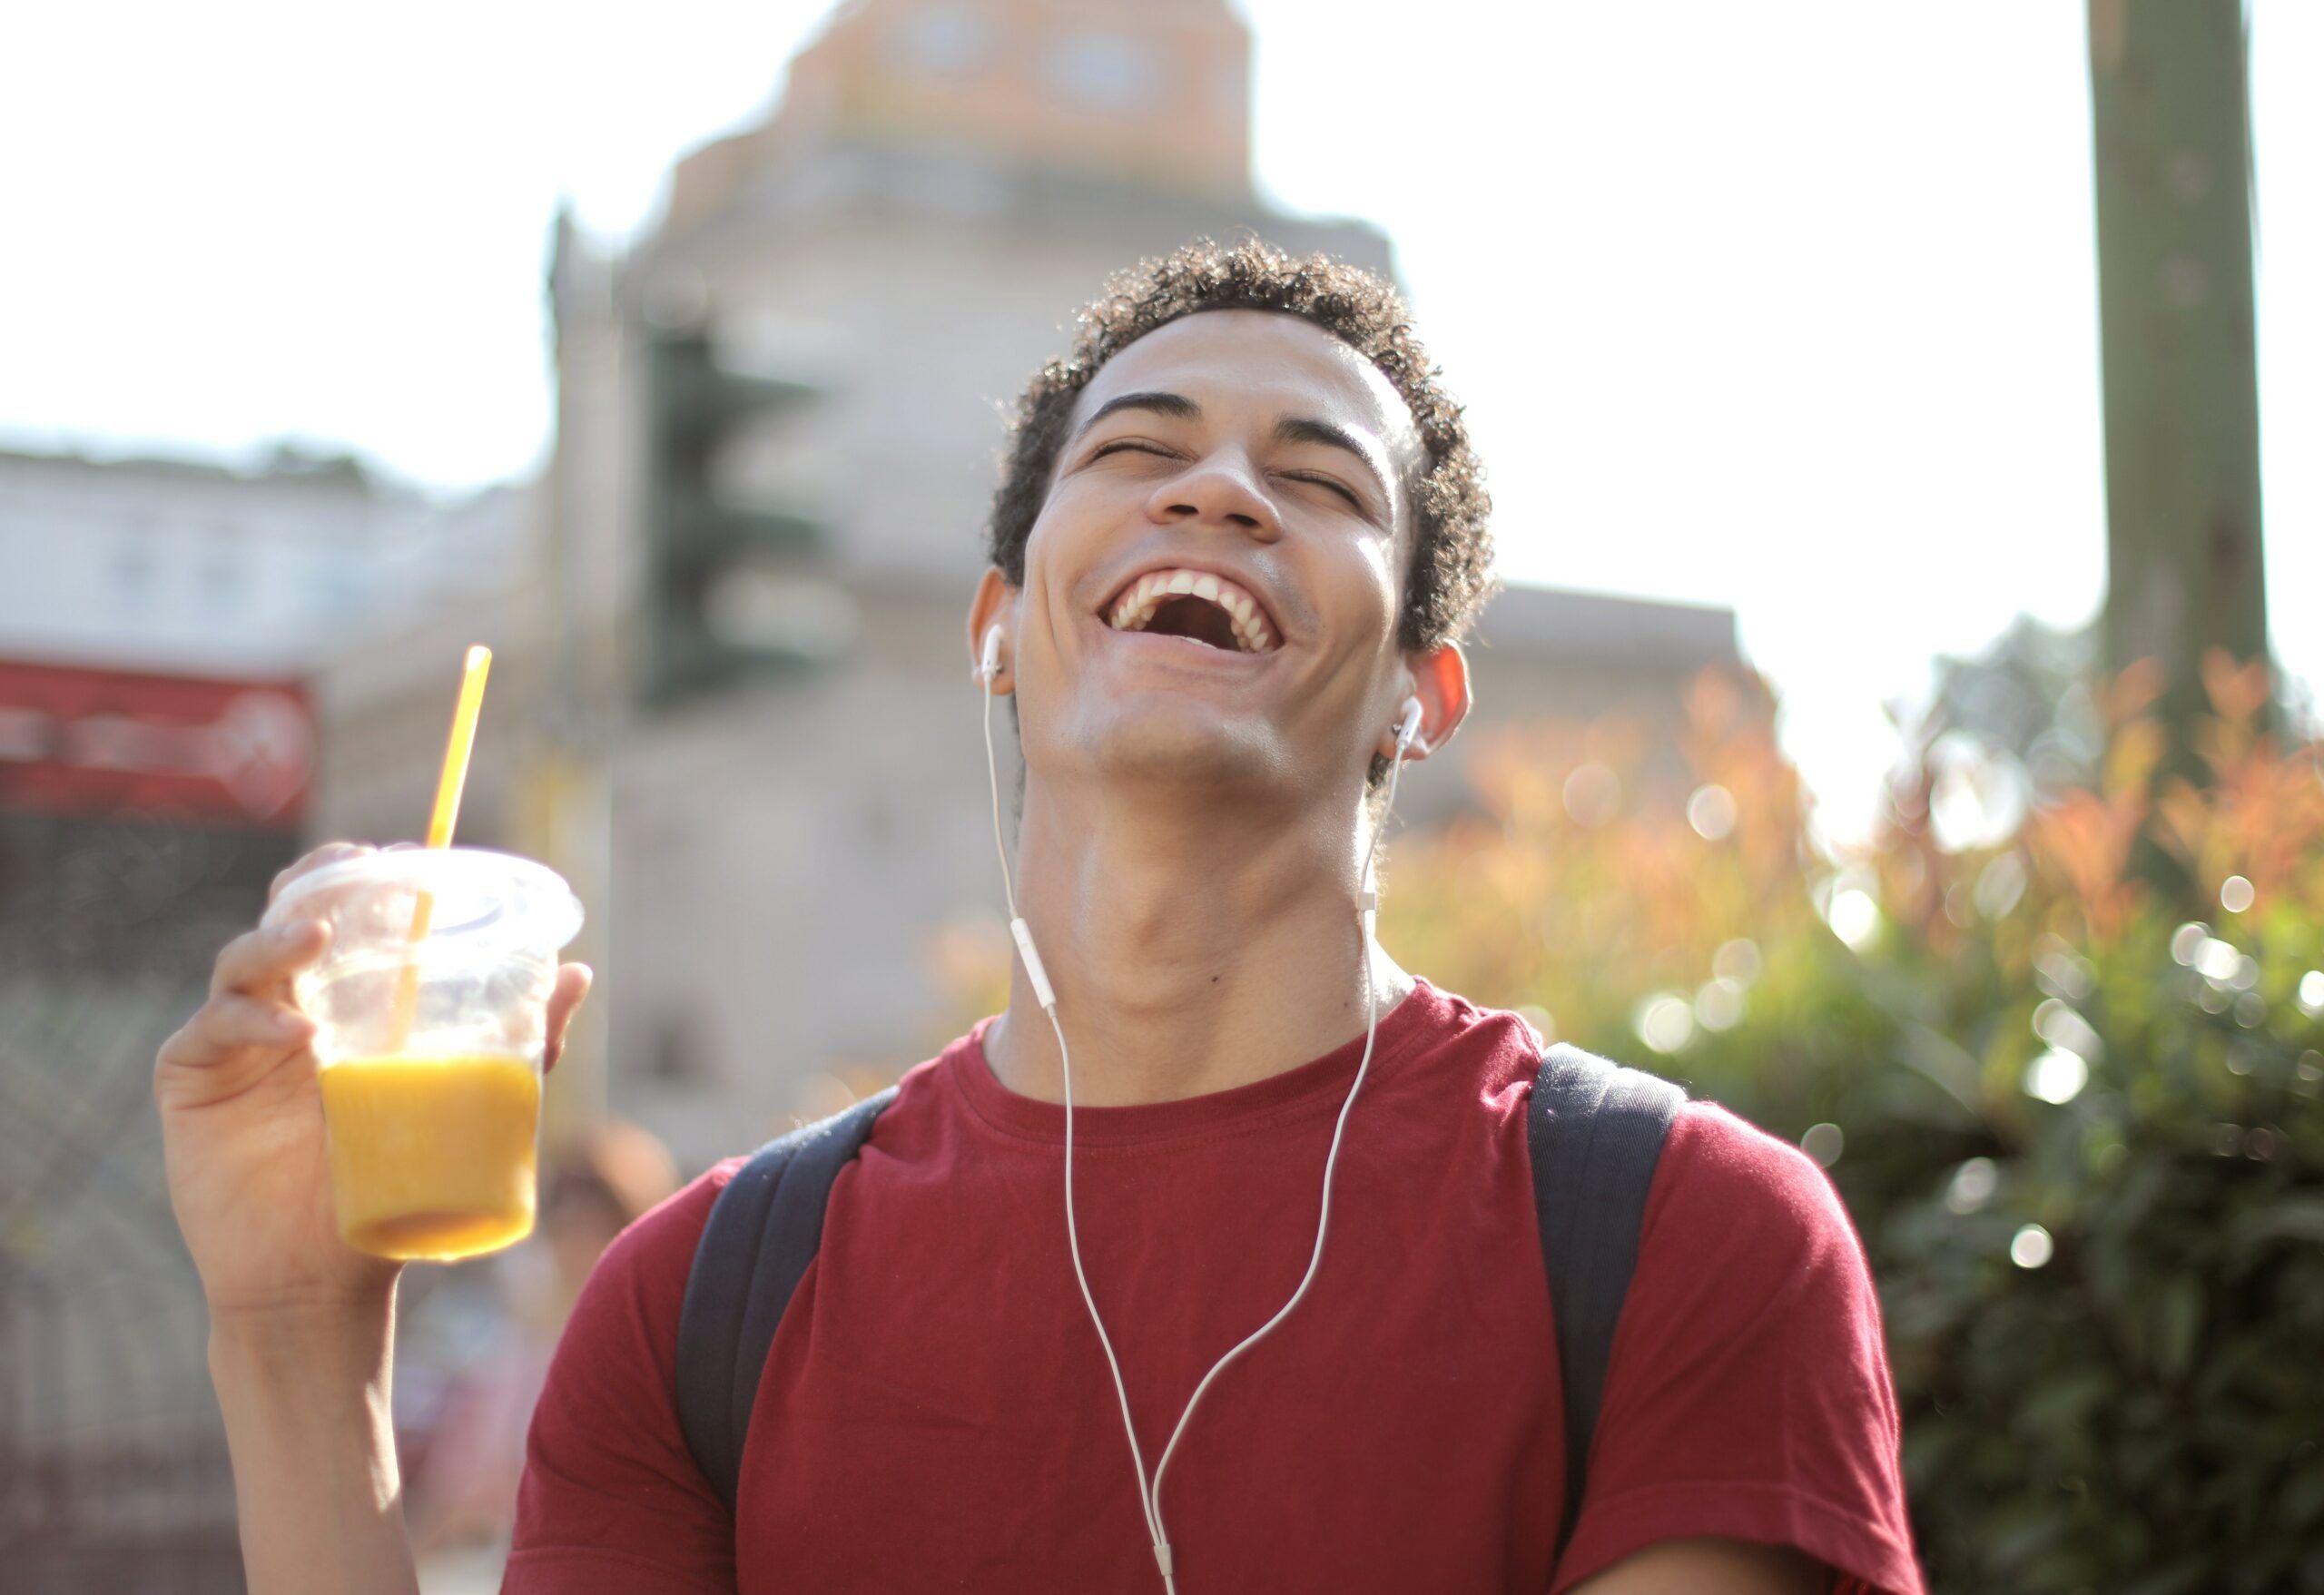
pixel 1408 727
pixel 991 665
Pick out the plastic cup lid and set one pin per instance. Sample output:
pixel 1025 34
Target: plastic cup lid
pixel 477 892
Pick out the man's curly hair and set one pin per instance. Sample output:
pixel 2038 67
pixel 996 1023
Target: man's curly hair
pixel 1450 575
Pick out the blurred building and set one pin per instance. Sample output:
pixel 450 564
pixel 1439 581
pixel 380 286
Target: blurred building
pixel 905 237
pixel 157 747
pixel 190 564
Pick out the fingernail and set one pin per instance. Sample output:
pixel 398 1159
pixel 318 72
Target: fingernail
pixel 287 1023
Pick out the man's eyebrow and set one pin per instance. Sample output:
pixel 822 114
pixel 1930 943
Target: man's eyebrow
pixel 1305 429
pixel 1176 406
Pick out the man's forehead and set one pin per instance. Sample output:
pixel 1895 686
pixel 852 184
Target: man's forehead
pixel 1277 360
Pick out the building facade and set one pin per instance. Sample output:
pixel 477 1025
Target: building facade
pixel 940 187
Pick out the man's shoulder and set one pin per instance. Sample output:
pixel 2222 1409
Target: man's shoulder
pixel 651 1257
pixel 1723 1157
pixel 1731 1200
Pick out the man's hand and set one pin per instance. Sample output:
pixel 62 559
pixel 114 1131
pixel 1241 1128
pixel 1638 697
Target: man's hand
pixel 243 1128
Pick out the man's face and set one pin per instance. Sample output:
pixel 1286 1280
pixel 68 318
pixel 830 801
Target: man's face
pixel 1255 448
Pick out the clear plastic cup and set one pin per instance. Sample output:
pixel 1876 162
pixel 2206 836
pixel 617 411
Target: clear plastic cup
pixel 430 1052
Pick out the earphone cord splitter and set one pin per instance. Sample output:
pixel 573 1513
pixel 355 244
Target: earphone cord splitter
pixel 1150 1499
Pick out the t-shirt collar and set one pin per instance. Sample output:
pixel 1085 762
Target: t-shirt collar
pixel 1320 1082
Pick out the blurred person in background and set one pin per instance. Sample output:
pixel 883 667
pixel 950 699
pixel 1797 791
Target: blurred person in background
pixel 464 1494
pixel 1204 766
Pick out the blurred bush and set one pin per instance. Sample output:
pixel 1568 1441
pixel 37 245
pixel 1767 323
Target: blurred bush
pixel 2081 1129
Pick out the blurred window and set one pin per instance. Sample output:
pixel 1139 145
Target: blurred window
pixel 945 40
pixel 221 568
pixel 1104 72
pixel 133 560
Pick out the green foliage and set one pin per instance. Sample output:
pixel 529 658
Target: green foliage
pixel 2105 1311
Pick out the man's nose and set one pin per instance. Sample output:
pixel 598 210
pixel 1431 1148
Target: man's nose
pixel 1218 490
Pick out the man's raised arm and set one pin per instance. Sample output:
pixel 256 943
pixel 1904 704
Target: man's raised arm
pixel 301 1326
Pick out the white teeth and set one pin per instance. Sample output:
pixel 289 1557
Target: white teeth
pixel 1136 610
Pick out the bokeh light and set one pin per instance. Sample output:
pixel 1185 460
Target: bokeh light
pixel 1737 959
pixel 1712 812
pixel 1972 1185
pixel 1665 1021
pixel 1822 1143
pixel 1718 1004
pixel 1593 795
pixel 1999 885
pixel 2312 994
pixel 2057 1076
pixel 1978 799
pixel 2031 1247
pixel 1855 918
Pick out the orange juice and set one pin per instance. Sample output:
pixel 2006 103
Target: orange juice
pixel 431 1157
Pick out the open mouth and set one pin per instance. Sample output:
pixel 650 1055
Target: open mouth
pixel 1196 605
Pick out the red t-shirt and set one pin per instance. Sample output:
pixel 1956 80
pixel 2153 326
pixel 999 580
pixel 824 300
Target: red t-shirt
pixel 937 1413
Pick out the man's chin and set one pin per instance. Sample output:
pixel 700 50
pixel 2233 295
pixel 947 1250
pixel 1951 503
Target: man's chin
pixel 1196 751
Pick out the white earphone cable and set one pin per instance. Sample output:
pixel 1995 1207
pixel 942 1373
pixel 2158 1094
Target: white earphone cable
pixel 1323 1218
pixel 1150 1498
pixel 1049 1005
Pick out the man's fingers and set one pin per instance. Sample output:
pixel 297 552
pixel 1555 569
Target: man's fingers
pixel 230 1042
pixel 236 1021
pixel 573 982
pixel 330 852
pixel 225 1025
pixel 255 962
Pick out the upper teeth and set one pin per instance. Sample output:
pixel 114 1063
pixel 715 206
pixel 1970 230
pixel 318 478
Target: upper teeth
pixel 1134 609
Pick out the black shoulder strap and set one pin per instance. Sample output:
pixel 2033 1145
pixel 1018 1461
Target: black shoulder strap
pixel 1595 1130
pixel 763 1231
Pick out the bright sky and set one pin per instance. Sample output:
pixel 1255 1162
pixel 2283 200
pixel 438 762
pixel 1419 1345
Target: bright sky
pixel 1809 325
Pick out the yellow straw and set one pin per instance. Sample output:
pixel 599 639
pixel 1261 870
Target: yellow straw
pixel 455 751
pixel 449 786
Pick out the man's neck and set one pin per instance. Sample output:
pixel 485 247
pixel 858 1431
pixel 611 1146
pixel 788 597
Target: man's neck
pixel 1190 952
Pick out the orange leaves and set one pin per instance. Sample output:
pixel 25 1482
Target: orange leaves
pixel 2236 694
pixel 2083 844
pixel 1585 883
pixel 2262 814
pixel 1549 900
pixel 2132 690
pixel 2131 756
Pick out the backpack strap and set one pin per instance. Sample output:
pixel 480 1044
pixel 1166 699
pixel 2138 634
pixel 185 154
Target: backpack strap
pixel 1595 1130
pixel 763 1231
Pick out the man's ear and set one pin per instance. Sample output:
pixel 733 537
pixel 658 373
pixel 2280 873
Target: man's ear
pixel 1440 680
pixel 995 605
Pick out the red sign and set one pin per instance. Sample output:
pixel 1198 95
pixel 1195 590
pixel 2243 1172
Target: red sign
pixel 116 744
